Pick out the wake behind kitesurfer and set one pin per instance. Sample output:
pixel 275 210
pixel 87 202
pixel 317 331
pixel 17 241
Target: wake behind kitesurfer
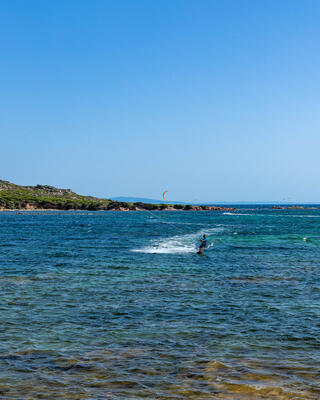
pixel 203 244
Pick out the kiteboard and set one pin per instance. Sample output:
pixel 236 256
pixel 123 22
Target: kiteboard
pixel 200 250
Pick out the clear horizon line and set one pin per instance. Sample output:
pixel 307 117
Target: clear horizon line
pixel 221 201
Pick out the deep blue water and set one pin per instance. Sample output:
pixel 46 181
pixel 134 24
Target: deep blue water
pixel 118 305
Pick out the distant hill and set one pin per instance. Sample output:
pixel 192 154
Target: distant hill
pixel 224 203
pixel 144 200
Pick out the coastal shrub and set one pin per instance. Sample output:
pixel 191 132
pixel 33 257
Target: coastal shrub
pixel 70 205
pixel 145 206
pixel 114 205
pixel 93 206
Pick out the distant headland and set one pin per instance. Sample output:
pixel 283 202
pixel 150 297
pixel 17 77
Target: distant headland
pixel 45 197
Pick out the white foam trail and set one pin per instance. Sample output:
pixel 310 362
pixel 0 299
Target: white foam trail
pixel 177 244
pixel 169 247
pixel 230 213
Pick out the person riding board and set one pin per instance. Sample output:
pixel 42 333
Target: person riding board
pixel 203 244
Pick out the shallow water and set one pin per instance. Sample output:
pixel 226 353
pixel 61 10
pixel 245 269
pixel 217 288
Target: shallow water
pixel 117 305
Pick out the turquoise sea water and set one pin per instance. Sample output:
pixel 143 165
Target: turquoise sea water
pixel 117 305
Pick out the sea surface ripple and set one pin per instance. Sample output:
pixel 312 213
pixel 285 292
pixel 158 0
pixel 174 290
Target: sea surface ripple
pixel 118 305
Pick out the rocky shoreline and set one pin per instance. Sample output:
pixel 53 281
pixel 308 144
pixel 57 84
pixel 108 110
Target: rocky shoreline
pixel 49 198
pixel 124 208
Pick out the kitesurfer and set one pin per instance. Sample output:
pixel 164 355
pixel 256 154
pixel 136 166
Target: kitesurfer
pixel 203 244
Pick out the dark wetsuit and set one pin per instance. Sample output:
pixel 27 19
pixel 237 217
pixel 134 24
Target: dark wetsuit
pixel 203 243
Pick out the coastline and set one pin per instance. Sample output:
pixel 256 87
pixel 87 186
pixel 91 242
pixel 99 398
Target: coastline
pixel 121 208
pixel 44 197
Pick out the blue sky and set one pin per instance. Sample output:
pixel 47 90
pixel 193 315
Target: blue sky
pixel 210 100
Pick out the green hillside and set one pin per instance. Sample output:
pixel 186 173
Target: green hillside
pixel 44 197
